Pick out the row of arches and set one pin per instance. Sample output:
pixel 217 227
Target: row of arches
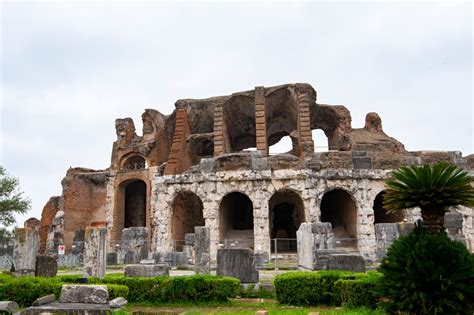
pixel 236 220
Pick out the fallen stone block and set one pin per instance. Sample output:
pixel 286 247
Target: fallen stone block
pixel 46 266
pixel 238 263
pixel 44 300
pixel 92 294
pixel 348 262
pixel 147 271
pixel 8 306
pixel 118 302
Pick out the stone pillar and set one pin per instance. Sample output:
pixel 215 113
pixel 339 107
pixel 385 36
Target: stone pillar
pixel 25 249
pixel 219 130
pixel 202 244
pixel 95 252
pixel 315 245
pixel 134 245
pixel 305 245
pixel 304 124
pixel 385 234
pixel 260 120
pixel 238 263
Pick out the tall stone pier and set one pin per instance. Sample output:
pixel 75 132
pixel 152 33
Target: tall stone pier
pixel 202 243
pixel 25 249
pixel 95 257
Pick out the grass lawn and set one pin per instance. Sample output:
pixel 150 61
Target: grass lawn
pixel 241 306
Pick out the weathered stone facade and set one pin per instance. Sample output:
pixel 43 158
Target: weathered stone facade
pixel 208 164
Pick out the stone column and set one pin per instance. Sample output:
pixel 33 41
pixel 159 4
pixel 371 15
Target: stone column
pixel 260 120
pixel 25 249
pixel 304 124
pixel 95 252
pixel 305 245
pixel 202 244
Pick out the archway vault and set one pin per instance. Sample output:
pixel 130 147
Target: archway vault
pixel 187 213
pixel 286 214
pixel 236 220
pixel 339 208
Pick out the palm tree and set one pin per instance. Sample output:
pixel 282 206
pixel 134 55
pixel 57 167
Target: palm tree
pixel 432 188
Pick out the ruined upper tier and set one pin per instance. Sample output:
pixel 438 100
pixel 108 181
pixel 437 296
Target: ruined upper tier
pixel 258 118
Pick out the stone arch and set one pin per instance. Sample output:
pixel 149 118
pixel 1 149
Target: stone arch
pixel 282 118
pixel 133 162
pixel 132 203
pixel 339 208
pixel 236 217
pixel 187 213
pixel 286 213
pixel 381 215
pixel 239 118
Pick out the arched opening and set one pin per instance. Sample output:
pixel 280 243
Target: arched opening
pixel 239 117
pixel 282 119
pixel 134 163
pixel 381 215
pixel 236 219
pixel 286 214
pixel 187 213
pixel 284 145
pixel 135 204
pixel 339 208
pixel 320 140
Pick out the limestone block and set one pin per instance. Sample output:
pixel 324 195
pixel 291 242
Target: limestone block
pixel 237 263
pixel 348 262
pixel 147 271
pixel 25 249
pixel 8 306
pixel 134 245
pixel 118 302
pixel 202 244
pixel 44 300
pixel 95 259
pixel 305 245
pixel 91 294
pixel 111 259
pixel 46 266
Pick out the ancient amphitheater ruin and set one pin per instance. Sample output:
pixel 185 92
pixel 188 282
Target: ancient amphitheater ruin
pixel 208 164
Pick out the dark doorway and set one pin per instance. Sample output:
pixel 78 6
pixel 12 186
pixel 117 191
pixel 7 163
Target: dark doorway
pixel 380 213
pixel 135 204
pixel 339 208
pixel 286 215
pixel 236 218
pixel 187 213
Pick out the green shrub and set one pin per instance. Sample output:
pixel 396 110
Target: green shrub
pixel 427 273
pixel 140 289
pixel 360 291
pixel 24 290
pixel 198 288
pixel 310 288
pixel 117 290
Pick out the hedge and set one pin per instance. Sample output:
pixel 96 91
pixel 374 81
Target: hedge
pixel 359 292
pixel 199 288
pixel 25 290
pixel 318 288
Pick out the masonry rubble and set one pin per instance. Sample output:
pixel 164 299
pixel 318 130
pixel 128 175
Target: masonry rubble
pixel 195 167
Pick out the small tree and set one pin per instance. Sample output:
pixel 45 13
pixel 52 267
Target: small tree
pixel 12 200
pixel 432 188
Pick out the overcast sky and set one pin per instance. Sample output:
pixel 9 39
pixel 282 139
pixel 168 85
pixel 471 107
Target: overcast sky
pixel 69 69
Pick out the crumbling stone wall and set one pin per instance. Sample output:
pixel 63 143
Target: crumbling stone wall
pixel 202 148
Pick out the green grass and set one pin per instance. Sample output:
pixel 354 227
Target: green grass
pixel 242 307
